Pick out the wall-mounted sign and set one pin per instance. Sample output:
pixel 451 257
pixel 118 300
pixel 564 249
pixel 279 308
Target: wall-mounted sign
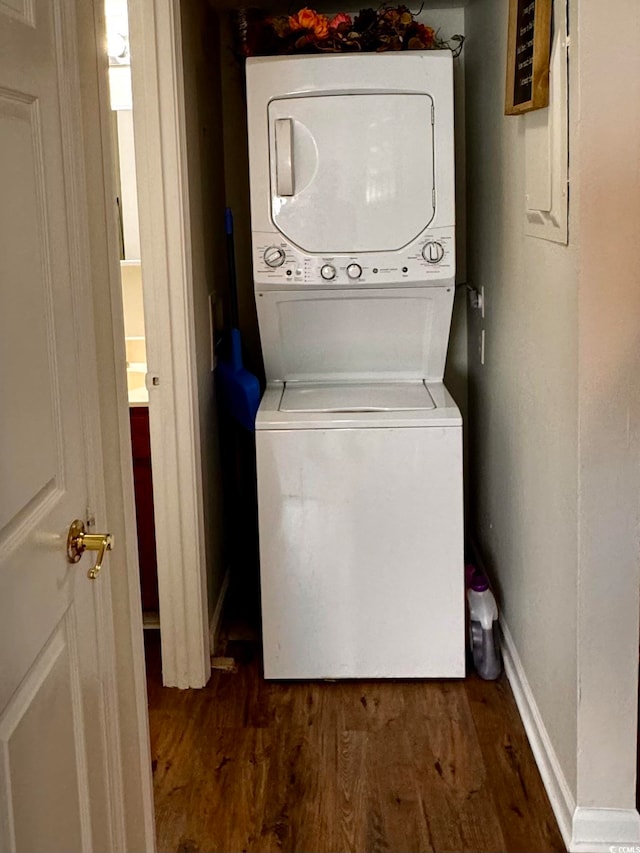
pixel 528 56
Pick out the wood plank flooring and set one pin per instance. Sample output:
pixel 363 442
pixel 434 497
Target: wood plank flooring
pixel 249 765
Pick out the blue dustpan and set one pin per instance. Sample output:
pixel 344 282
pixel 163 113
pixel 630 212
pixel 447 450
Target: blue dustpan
pixel 239 390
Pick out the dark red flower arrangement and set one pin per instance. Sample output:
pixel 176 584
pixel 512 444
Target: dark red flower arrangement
pixel 387 28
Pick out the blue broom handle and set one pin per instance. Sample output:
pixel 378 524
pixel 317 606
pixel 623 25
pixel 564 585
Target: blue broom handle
pixel 231 261
pixel 236 350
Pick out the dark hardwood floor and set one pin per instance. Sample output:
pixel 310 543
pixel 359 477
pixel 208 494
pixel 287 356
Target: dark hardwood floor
pixel 249 765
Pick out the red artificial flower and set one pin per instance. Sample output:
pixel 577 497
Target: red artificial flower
pixel 340 18
pixel 426 35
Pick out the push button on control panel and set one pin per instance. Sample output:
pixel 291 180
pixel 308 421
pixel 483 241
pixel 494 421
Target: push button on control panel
pixel 354 271
pixel 433 252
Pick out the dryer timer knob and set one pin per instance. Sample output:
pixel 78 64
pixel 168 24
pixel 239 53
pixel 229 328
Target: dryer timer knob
pixel 274 256
pixel 433 252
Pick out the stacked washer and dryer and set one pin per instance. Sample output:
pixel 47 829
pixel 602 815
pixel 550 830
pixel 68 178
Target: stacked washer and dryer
pixel 359 443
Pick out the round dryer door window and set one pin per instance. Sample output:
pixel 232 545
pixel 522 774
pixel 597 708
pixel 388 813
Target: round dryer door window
pixel 352 173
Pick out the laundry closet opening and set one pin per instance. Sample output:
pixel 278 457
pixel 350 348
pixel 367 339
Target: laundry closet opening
pixel 214 177
pixel 310 334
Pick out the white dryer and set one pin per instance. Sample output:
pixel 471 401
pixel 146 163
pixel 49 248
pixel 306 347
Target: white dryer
pixel 359 444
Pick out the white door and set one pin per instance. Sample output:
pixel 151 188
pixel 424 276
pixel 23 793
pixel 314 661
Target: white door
pixel 54 785
pixel 352 173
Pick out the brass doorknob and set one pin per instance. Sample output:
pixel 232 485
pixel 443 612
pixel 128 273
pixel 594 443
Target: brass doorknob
pixel 78 541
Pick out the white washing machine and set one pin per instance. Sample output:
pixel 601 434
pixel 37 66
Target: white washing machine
pixel 359 444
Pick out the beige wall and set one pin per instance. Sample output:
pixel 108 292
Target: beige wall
pixel 555 410
pixel 607 185
pixel 524 400
pixel 203 107
pixel 128 184
pixel 132 299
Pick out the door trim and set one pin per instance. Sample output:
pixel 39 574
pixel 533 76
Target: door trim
pixel 124 694
pixel 163 203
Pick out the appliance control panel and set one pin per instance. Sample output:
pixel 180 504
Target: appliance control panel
pixel 429 258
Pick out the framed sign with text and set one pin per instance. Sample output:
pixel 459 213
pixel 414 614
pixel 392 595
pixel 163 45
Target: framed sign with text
pixel 528 49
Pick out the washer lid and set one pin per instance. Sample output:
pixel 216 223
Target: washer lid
pixel 355 397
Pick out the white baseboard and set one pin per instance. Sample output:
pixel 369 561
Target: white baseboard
pixel 214 622
pixel 557 787
pixel 605 831
pixel 583 830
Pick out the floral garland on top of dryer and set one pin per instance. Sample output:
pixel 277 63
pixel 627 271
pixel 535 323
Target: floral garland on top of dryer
pixel 308 31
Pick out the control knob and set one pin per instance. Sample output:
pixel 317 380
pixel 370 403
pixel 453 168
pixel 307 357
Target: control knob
pixel 354 270
pixel 274 256
pixel 328 272
pixel 433 252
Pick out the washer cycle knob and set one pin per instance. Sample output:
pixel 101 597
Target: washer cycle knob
pixel 433 252
pixel 274 256
pixel 354 270
pixel 328 272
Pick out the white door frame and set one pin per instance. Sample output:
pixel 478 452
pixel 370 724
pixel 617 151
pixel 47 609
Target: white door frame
pixel 133 810
pixel 163 203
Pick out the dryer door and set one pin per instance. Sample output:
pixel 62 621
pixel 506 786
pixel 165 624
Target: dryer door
pixel 351 173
